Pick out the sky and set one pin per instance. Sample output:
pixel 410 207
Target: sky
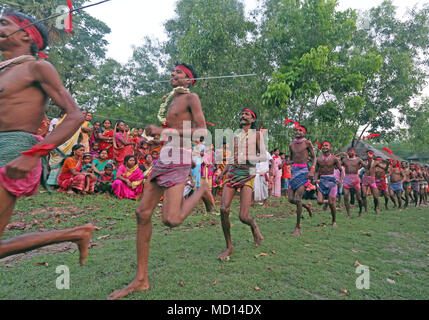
pixel 121 15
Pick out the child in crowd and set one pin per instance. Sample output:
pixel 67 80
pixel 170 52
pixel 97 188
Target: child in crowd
pixel 104 184
pixel 95 150
pixel 217 187
pixel 89 173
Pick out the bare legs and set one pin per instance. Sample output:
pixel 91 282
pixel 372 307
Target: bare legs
pixel 175 211
pixel 79 235
pixel 332 205
pixel 295 197
pixel 244 215
pixel 347 201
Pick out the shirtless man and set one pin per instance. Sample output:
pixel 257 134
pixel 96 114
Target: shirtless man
pixel 396 184
pixel 352 165
pixel 168 178
pixel 424 173
pixel 415 184
pixel 301 150
pixel 241 176
pixel 328 184
pixel 406 184
pixel 381 170
pixel 369 181
pixel 26 84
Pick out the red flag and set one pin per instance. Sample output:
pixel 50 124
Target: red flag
pixel 210 124
pixel 373 135
pixel 68 23
pixel 388 150
pixel 287 121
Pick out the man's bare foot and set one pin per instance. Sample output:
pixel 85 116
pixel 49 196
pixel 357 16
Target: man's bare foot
pixel 257 236
pixel 134 286
pixel 297 232
pixel 83 243
pixel 335 225
pixel 224 255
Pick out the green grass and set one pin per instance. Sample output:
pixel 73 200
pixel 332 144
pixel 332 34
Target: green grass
pixel 183 261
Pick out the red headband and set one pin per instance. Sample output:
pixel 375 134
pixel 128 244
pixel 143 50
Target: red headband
pixel 330 145
pixel 31 31
pixel 187 72
pixel 251 112
pixel 298 127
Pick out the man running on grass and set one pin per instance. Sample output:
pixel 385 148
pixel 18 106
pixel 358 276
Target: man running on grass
pixel 241 175
pixel 395 186
pixel 301 151
pixel 369 181
pixel 26 84
pixel 170 173
pixel 352 165
pixel 381 170
pixel 328 184
pixel 406 184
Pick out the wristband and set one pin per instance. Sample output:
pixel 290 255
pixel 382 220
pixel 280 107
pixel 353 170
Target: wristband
pixel 43 150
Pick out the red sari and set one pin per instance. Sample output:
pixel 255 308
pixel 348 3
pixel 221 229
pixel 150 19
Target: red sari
pixel 67 180
pixel 107 145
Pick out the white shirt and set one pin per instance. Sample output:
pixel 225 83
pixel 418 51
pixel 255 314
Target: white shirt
pixel 264 166
pixel 53 123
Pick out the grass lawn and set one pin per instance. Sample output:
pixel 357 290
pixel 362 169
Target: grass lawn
pixel 321 264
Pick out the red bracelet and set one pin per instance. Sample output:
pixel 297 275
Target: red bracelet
pixel 43 150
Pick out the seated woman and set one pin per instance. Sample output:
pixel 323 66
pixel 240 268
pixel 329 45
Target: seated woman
pixel 71 178
pixel 99 164
pixel 129 179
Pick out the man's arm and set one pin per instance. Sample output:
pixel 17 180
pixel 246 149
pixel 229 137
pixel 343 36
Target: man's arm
pixel 312 157
pixel 49 79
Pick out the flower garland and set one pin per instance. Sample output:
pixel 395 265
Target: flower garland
pixel 167 98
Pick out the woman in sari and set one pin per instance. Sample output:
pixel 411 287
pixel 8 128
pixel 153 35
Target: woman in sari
pixel 121 144
pixel 99 164
pixel 129 179
pixel 105 138
pixel 94 134
pixel 71 178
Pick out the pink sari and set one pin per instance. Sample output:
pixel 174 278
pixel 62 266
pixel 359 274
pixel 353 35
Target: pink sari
pixel 122 190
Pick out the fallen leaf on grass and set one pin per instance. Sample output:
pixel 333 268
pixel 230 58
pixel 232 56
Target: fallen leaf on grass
pixel 318 261
pixel 366 233
pixel 269 269
pixel 262 254
pixel 354 251
pixel 181 283
pixel 344 292
pixel 390 281
pixel 256 288
pixel 323 224
pixel 103 237
pixel 273 251
pixel 307 245
pixel 214 283
pixel 111 223
pixel 330 264
pixel 16 225
pixel 41 264
pixel 398 273
pixel 97 228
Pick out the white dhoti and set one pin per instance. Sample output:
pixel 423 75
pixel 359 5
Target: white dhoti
pixel 261 188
